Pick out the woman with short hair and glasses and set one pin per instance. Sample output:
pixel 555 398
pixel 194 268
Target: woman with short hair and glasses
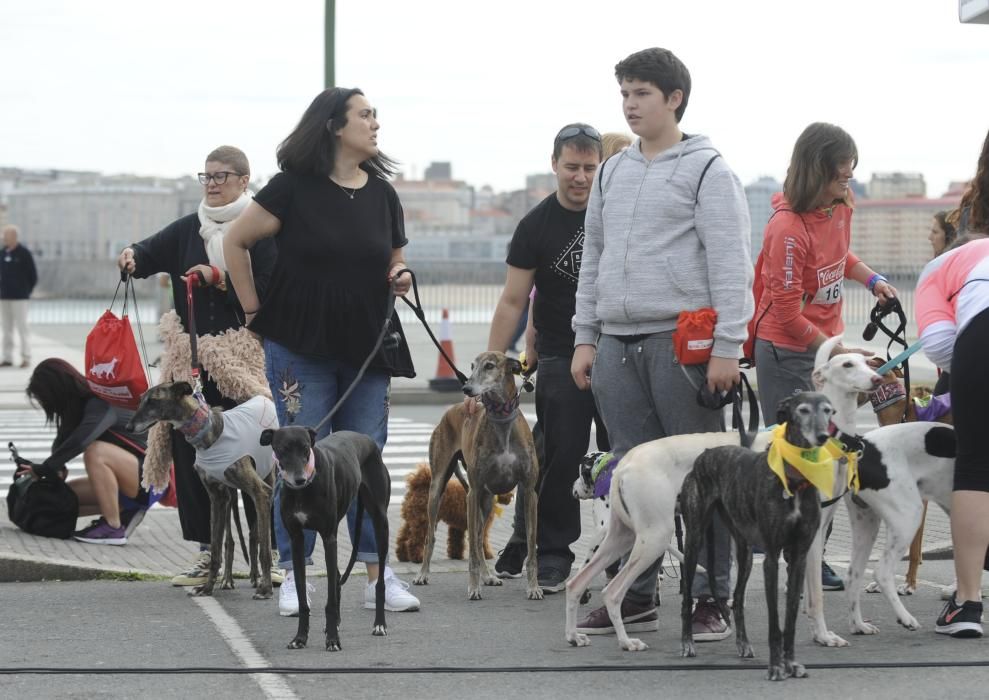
pixel 341 236
pixel 194 244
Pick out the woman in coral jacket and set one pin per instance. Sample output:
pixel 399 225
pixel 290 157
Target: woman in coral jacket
pixel 952 310
pixel 805 261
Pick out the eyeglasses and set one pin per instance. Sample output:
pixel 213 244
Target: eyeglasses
pixel 219 177
pixel 570 132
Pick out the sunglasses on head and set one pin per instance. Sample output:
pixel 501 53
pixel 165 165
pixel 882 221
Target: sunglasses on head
pixel 570 132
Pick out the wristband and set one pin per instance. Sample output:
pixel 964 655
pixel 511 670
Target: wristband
pixel 873 281
pixel 217 275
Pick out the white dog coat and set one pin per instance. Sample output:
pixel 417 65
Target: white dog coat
pixel 242 426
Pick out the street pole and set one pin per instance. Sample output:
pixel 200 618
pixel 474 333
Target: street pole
pixel 330 48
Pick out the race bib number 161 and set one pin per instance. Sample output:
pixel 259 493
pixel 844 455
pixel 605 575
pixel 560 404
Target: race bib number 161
pixel 830 280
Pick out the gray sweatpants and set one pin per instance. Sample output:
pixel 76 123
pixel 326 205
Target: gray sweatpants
pixel 780 374
pixel 642 394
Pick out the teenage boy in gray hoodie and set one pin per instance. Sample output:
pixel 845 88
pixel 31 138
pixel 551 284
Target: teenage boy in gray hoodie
pixel 666 230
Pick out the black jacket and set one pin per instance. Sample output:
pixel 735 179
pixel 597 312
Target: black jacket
pixel 175 249
pixel 17 273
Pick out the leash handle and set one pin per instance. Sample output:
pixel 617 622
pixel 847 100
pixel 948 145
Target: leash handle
pixel 191 281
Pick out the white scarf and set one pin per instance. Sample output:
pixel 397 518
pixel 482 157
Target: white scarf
pixel 213 223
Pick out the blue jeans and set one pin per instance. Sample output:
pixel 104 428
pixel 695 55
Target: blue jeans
pixel 319 383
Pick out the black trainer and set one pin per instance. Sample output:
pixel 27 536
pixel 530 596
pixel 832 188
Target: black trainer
pixel 830 581
pixel 963 620
pixel 510 560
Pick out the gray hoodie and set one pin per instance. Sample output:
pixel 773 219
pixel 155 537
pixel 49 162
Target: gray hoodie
pixel 655 246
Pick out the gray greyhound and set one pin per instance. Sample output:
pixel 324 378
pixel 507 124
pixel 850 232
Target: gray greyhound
pixel 321 480
pixel 753 504
pixel 227 458
pixel 498 453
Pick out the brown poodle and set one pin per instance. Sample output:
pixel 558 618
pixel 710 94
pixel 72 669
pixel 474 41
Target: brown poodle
pixel 453 511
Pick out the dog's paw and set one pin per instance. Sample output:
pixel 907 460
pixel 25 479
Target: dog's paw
pixel 688 650
pixel 777 672
pixel 535 594
pixel 830 639
pixel 421 580
pixel 227 585
pixel 910 622
pixel 633 644
pixel 298 643
pixel 262 594
pixel 379 631
pixel 203 590
pixel 796 670
pixel 744 649
pixel 578 640
pixel 333 644
pixel 863 627
pixel 873 587
pixel 905 589
pixel 473 594
pixel 492 581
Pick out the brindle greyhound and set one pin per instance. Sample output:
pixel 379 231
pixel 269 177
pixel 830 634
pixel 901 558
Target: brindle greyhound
pixel 321 480
pixel 239 464
pixel 498 452
pixel 753 504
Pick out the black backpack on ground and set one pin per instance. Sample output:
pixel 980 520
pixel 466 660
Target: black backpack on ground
pixel 43 506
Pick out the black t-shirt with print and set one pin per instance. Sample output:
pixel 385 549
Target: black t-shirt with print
pixel 550 240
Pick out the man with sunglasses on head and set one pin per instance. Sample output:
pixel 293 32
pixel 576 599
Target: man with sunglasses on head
pixel 667 231
pixel 545 252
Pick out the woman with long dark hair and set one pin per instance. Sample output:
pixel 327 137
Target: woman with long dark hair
pixel 806 258
pixel 341 234
pixel 86 424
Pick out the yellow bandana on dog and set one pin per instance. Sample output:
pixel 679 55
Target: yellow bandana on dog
pixel 816 464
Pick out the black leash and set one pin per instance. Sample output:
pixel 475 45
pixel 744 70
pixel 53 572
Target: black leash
pixel 421 315
pixel 876 316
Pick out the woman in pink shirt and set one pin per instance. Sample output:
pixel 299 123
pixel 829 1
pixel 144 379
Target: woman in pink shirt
pixel 952 309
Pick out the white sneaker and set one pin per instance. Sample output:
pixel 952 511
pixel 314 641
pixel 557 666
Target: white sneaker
pixel 397 596
pixel 288 601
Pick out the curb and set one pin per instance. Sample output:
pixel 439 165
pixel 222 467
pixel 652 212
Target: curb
pixel 18 568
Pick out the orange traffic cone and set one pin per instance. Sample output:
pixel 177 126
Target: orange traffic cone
pixel 446 378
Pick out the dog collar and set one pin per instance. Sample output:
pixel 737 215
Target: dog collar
pixel 849 447
pixel 310 471
pixel 886 395
pixel 500 411
pixel 196 427
pixel 601 473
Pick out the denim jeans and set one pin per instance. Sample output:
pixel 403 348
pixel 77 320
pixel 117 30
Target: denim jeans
pixel 318 383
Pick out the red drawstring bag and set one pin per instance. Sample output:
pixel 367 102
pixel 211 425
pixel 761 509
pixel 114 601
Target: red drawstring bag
pixel 693 338
pixel 113 365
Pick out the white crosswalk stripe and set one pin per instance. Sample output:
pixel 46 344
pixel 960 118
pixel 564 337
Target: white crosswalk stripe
pixel 407 446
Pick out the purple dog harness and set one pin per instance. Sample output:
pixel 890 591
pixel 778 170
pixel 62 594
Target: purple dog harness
pixel 601 473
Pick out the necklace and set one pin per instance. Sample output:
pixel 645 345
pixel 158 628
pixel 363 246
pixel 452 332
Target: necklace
pixel 349 193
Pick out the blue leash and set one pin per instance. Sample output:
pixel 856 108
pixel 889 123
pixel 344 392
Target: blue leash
pixel 898 360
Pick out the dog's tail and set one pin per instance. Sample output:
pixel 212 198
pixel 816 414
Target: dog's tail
pixel 359 514
pixel 235 515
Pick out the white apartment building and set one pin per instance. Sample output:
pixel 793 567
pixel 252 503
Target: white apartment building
pixel 897 186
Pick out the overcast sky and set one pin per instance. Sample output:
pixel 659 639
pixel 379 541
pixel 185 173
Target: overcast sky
pixel 151 87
